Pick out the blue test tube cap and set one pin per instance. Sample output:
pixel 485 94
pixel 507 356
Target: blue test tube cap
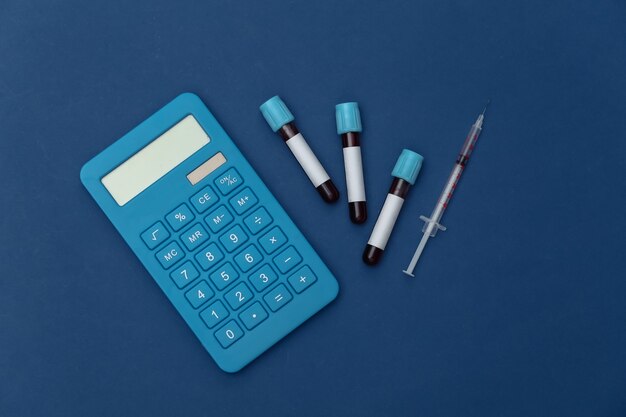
pixel 276 113
pixel 348 118
pixel 408 166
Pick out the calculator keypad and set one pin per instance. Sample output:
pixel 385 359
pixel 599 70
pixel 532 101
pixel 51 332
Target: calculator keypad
pixel 227 242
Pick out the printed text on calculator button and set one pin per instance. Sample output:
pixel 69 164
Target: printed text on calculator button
pixel 287 259
pixel 204 199
pixel 218 219
pixel 243 200
pixel 277 297
pixel 170 254
pixel 258 220
pixel 228 181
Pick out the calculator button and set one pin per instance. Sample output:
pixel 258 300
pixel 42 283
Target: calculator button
pixel 278 297
pixel 249 258
pixel 258 220
pixel 223 276
pixel 209 256
pixel 213 315
pixel 180 217
pixel 155 235
pixel 194 237
pixel 243 200
pixel 238 296
pixel 199 294
pixel 170 254
pixel 233 238
pixel 272 240
pixel 253 315
pixel 229 334
pixel 287 259
pixel 302 279
pixel 184 274
pixel 204 199
pixel 228 181
pixel 218 219
pixel 263 277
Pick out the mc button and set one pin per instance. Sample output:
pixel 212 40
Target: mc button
pixel 170 254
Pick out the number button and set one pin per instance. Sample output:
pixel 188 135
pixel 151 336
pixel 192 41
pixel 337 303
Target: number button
pixel 238 296
pixel 184 274
pixel 224 276
pixel 170 254
pixel 302 279
pixel 258 220
pixel 180 217
pixel 228 181
pixel 155 235
pixel 243 201
pixel 213 315
pixel 209 256
pixel 272 240
pixel 253 315
pixel 194 237
pixel 204 199
pixel 263 278
pixel 278 297
pixel 199 294
pixel 233 238
pixel 287 259
pixel 218 219
pixel 229 334
pixel 249 258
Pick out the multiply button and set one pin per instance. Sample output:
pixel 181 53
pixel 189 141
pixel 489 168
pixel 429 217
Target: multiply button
pixel 169 255
pixel 228 181
pixel 273 240
pixel 179 217
pixel 302 279
pixel 243 200
pixel 287 259
pixel 278 297
pixel 204 199
pixel 155 235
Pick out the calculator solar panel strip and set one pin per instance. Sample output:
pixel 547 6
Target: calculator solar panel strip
pixel 246 294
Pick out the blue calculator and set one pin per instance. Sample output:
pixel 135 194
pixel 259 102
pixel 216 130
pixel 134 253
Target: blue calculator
pixel 210 233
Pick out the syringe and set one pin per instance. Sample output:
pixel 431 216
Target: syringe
pixel 432 225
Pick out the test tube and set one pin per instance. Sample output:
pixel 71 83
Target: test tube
pixel 405 173
pixel 349 127
pixel 281 120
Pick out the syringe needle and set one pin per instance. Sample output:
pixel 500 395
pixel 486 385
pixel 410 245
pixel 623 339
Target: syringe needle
pixel 485 109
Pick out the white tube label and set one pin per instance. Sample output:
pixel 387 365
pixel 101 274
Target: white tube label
pixel 354 173
pixel 307 159
pixel 386 221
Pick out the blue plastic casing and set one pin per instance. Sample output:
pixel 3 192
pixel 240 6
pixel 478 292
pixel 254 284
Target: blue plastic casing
pixel 408 166
pixel 348 118
pixel 151 208
pixel 276 113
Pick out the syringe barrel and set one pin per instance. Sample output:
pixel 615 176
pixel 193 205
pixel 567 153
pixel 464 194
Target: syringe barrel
pixel 468 146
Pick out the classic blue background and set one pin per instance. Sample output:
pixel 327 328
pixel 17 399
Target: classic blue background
pixel 517 310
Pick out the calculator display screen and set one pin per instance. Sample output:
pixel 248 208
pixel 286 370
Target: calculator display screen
pixel 155 160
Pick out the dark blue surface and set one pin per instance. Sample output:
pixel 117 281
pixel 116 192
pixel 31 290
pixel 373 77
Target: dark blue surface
pixel 517 310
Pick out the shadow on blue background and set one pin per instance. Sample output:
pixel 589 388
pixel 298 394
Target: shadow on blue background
pixel 517 310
